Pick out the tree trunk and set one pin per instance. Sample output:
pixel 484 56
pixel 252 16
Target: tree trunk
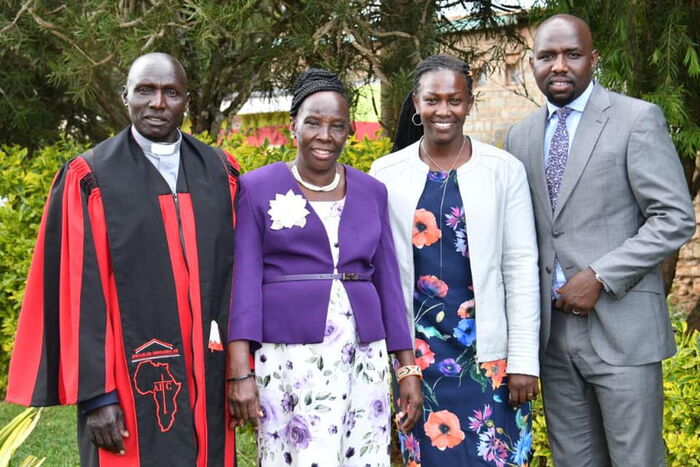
pixel 693 319
pixel 668 271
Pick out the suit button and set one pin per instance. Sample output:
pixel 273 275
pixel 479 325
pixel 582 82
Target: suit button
pixel 548 270
pixel 556 234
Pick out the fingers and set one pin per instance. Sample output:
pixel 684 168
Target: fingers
pixel 244 404
pixel 115 437
pixel 106 427
pixel 411 403
pixel 521 389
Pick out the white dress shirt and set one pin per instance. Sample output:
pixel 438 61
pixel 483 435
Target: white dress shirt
pixel 164 156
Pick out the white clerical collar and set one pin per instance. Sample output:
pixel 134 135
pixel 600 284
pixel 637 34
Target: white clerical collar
pixel 577 104
pixel 158 149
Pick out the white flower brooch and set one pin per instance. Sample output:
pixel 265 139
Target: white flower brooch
pixel 288 210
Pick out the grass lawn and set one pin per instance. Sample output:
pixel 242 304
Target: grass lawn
pixel 54 438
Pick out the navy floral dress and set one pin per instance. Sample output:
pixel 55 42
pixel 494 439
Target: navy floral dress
pixel 467 419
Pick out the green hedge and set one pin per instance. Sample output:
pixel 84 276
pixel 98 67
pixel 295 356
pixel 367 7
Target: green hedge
pixel 25 181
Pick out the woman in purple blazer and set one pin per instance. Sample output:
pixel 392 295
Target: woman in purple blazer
pixel 317 297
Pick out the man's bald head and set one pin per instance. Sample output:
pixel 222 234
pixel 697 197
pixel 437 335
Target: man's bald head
pixel 563 58
pixel 156 95
pixel 156 59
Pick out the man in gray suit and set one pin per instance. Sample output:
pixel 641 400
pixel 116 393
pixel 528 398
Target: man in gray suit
pixel 610 202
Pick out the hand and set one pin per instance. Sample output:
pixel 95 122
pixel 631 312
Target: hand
pixel 580 293
pixel 243 402
pixel 106 428
pixel 411 399
pixel 522 388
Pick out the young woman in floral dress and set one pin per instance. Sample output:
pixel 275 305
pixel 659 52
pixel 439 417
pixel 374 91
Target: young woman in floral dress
pixel 465 239
pixel 317 297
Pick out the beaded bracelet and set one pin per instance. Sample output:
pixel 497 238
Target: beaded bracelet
pixel 408 370
pixel 241 378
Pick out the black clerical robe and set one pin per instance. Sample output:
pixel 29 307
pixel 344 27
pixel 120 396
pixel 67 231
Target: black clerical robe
pixel 129 290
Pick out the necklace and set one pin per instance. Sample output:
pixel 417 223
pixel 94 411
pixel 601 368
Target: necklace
pixel 454 163
pixel 309 186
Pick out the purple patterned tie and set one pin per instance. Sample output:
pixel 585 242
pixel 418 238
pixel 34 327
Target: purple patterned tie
pixel 558 154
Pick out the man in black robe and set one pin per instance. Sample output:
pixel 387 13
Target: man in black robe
pixel 129 288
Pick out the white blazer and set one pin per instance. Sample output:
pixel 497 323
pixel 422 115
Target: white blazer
pixel 501 240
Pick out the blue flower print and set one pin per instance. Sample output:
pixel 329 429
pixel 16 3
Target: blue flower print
pixel 465 332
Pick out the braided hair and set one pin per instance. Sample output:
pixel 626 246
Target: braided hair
pixel 311 81
pixel 406 132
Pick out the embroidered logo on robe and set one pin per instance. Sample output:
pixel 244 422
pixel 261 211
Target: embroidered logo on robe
pixel 154 350
pixel 155 380
pixel 215 338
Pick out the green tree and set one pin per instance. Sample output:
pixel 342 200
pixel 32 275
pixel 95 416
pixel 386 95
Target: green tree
pixel 67 60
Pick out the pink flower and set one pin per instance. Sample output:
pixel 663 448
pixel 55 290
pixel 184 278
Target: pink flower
pixel 480 419
pixel 432 286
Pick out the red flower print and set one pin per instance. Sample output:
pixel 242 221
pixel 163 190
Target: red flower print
pixel 432 286
pixel 425 229
pixel 496 370
pixel 466 309
pixel 424 356
pixel 443 429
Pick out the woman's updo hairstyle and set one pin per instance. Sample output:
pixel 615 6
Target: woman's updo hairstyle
pixel 407 132
pixel 311 81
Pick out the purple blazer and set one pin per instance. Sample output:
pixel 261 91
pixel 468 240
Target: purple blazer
pixel 295 312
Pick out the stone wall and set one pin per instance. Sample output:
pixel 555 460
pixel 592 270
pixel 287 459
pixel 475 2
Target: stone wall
pixel 504 96
pixel 686 286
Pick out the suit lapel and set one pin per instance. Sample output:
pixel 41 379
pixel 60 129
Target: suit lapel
pixel 536 152
pixel 587 133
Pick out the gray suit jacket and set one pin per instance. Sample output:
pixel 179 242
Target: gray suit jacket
pixel 623 207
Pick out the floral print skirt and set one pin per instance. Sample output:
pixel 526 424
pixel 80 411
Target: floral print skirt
pixel 467 419
pixel 325 404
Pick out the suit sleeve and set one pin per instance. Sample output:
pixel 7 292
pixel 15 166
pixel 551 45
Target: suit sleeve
pixel 63 351
pixel 658 184
pixel 387 282
pixel 245 321
pixel 520 275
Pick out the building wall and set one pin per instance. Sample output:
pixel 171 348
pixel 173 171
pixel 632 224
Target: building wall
pixel 504 96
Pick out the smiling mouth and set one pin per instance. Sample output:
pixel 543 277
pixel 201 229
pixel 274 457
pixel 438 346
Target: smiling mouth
pixel 443 125
pixel 322 152
pixel 560 84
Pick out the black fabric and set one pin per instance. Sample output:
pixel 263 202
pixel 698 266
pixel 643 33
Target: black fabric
pixel 130 187
pixel 46 389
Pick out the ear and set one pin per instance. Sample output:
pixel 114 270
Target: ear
pixel 125 92
pixel 292 127
pixel 594 59
pixel 470 102
pixel 416 102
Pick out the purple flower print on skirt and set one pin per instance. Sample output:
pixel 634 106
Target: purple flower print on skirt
pixel 348 355
pixel 296 433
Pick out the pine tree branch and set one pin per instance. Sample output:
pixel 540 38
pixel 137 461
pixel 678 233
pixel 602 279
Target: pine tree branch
pixel 17 16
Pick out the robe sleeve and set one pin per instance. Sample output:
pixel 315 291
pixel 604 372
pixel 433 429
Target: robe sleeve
pixel 64 349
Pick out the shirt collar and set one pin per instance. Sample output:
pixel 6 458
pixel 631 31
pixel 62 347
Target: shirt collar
pixel 577 104
pixel 158 149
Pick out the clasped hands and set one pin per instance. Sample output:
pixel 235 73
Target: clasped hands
pixel 579 294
